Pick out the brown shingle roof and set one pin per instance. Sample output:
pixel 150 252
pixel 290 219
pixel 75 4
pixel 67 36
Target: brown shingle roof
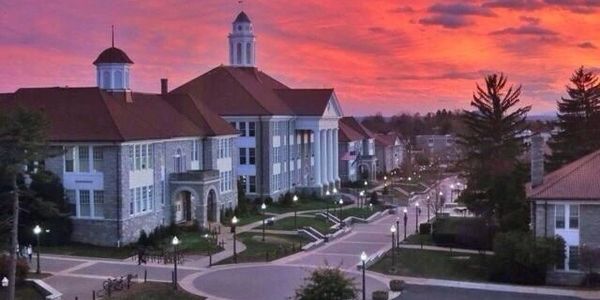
pixel 113 55
pixel 579 180
pixel 91 114
pixel 347 134
pixel 385 139
pixel 306 102
pixel 357 126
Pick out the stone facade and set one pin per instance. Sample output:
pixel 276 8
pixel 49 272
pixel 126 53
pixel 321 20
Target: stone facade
pixel 589 230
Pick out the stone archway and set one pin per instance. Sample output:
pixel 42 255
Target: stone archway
pixel 211 206
pixel 364 172
pixel 183 207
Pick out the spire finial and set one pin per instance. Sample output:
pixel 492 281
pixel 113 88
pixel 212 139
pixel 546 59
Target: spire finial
pixel 113 35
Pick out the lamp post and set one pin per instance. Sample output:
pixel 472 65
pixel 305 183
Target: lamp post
pixel 206 236
pixel 263 207
pixel 361 198
pixel 397 232
pixel 295 199
pixel 4 284
pixel 405 221
pixel 341 202
pixel 393 231
pixel 327 194
pixel 363 259
pixel 175 242
pixel 234 221
pixel 417 213
pixel 428 205
pixel 37 230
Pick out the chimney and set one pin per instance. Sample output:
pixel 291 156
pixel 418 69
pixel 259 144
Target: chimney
pixel 537 160
pixel 164 86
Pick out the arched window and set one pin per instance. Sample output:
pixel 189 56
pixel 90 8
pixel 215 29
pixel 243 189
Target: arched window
pixel 118 80
pixel 106 80
pixel 239 53
pixel 248 53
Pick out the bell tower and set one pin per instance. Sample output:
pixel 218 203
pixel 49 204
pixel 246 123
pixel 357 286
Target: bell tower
pixel 242 43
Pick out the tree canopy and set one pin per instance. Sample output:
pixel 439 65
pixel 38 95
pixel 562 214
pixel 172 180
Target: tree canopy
pixel 327 283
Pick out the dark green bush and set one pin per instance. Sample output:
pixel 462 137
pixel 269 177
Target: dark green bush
pixel 425 228
pixel 380 295
pixel 459 232
pixel 397 285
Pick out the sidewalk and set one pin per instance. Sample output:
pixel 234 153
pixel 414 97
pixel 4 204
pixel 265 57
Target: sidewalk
pixel 446 249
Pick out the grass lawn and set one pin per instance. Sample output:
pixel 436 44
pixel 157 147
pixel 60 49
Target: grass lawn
pixel 288 224
pixel 153 291
pixel 256 249
pixel 192 242
pixel 76 249
pixel 309 204
pixel 415 239
pixel 25 291
pixel 360 212
pixel 434 264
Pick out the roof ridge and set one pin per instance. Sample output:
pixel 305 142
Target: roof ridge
pixel 579 163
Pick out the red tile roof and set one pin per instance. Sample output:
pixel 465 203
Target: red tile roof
pixel 358 127
pixel 306 102
pixel 91 114
pixel 579 180
pixel 385 139
pixel 246 91
pixel 347 134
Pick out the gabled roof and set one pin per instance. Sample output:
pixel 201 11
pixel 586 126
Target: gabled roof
pixel 347 134
pixel 113 55
pixel 578 180
pixel 358 127
pixel 236 91
pixel 306 102
pixel 94 115
pixel 385 139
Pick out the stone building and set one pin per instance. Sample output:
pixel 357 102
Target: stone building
pixel 287 137
pixel 133 161
pixel 439 148
pixel 356 151
pixel 389 150
pixel 566 203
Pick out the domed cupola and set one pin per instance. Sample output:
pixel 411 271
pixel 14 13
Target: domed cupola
pixel 113 68
pixel 242 42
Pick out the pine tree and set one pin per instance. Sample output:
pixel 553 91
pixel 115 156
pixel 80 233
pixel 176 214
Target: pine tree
pixel 578 120
pixel 494 173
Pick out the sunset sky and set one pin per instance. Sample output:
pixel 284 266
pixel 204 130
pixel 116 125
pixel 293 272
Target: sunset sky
pixel 380 56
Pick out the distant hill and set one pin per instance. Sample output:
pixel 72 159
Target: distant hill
pixel 542 117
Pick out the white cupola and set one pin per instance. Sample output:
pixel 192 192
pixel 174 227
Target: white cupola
pixel 242 43
pixel 113 69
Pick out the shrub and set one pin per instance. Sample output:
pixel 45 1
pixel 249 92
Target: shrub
pixel 22 268
pixel 397 285
pixel 286 200
pixel 459 232
pixel 268 200
pixel 425 228
pixel 380 295
pixel 521 258
pixel 327 283
pixel 143 239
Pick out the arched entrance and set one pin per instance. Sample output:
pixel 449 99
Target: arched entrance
pixel 183 207
pixel 211 208
pixel 363 171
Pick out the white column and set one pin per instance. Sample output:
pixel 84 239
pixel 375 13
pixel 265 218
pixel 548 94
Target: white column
pixel 323 135
pixel 317 151
pixel 330 156
pixel 336 154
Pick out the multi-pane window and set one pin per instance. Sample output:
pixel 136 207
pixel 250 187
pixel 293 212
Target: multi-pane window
pixel 70 160
pixel 98 158
pixel 99 204
pixel 196 150
pixel 141 157
pixel 242 129
pixel 141 199
pixel 144 198
pixel 251 156
pixel 85 209
pixel 131 202
pixel 144 156
pixel 151 197
pixel 243 156
pixel 573 257
pixel 251 129
pixel 84 158
pixel 131 157
pixel 138 157
pixel 573 216
pixel 138 199
pixel 150 156
pixel 226 181
pixel 559 215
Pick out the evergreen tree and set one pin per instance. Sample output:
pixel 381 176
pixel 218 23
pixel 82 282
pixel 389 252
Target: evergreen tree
pixel 22 140
pixel 327 283
pixel 578 120
pixel 495 176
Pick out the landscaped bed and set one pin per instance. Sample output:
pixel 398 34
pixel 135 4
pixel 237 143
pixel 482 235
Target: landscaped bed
pixel 26 291
pixel 153 291
pixel 360 212
pixel 76 249
pixel 277 245
pixel 307 204
pixel 434 264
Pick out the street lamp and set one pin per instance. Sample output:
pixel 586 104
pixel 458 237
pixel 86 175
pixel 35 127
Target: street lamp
pixel 405 221
pixel 417 213
pixel 361 199
pixel 393 231
pixel 263 207
pixel 37 230
pixel 4 282
pixel 397 232
pixel 428 205
pixel 341 202
pixel 327 194
pixel 234 221
pixel 175 242
pixel 363 259
pixel 295 199
pixel 209 249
